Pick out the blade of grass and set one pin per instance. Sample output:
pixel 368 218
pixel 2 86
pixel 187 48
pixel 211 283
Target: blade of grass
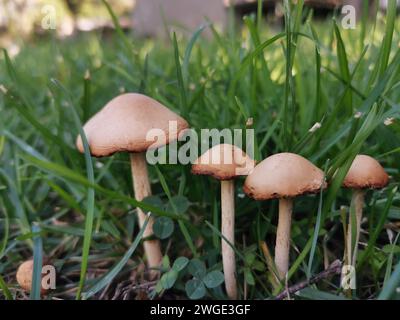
pixel 181 83
pixel 344 69
pixel 110 275
pixel 317 227
pixel 237 252
pixel 317 112
pixel 259 15
pixel 188 52
pixel 377 229
pixel 62 171
pixel 246 62
pixel 6 292
pixel 285 133
pixel 390 288
pixel 6 229
pixel 255 36
pixel 40 161
pixel 389 264
pixel 215 223
pixel 2 140
pixel 37 263
pixel 87 98
pixel 17 204
pixel 89 217
pixel 388 40
pixel 24 109
pixel 64 195
pixel 125 40
pixel 382 59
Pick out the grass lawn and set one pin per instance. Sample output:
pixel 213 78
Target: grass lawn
pixel 79 212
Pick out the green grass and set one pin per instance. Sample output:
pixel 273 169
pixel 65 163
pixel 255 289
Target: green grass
pixel 286 80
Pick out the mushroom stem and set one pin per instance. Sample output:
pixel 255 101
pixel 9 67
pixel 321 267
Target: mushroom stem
pixel 141 187
pixel 283 237
pixel 352 247
pixel 228 231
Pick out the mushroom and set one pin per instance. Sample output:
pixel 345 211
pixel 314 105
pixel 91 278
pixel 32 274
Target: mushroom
pixel 283 176
pixel 24 276
pixel 225 162
pixel 123 125
pixel 364 173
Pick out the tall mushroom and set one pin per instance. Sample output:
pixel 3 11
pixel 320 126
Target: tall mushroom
pixel 283 176
pixel 225 162
pixel 122 126
pixel 364 173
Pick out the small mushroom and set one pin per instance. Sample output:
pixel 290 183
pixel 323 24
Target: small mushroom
pixel 364 173
pixel 122 126
pixel 283 176
pixel 24 276
pixel 225 162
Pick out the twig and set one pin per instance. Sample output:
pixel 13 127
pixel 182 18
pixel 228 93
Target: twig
pixel 334 268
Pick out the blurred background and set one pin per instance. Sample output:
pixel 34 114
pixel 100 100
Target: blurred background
pixel 23 19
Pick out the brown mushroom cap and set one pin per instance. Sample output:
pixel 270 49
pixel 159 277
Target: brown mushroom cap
pixel 284 175
pixel 122 125
pixel 24 276
pixel 223 162
pixel 365 172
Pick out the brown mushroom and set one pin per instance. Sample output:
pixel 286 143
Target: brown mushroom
pixel 364 173
pixel 24 276
pixel 122 126
pixel 283 176
pixel 225 162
